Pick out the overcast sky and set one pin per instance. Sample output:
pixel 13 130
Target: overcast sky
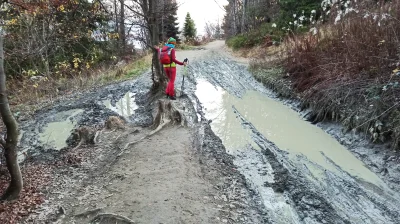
pixel 201 11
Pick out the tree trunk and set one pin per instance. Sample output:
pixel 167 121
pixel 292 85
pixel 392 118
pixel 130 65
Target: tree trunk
pixel 122 34
pixel 155 39
pixel 244 16
pixel 10 143
pixel 116 21
pixel 162 22
pixel 234 18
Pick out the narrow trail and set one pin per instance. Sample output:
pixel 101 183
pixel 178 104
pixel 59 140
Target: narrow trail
pixel 242 156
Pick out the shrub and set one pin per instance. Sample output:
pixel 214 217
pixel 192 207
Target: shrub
pixel 237 42
pixel 49 37
pixel 350 69
pixel 265 35
pixel 291 10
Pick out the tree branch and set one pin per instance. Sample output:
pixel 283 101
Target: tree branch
pixel 103 6
pixel 144 41
pixel 141 25
pixel 135 11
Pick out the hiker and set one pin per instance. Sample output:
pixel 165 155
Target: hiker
pixel 168 59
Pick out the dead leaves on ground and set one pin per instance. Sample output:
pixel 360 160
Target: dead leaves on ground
pixel 36 177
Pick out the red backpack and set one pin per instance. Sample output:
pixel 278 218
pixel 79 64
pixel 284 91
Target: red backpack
pixel 166 56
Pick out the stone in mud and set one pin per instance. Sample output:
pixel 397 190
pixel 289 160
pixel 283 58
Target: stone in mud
pixel 114 122
pixel 83 135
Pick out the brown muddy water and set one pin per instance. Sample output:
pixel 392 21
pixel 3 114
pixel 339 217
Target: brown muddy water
pixel 322 160
pixel 282 126
pixel 55 134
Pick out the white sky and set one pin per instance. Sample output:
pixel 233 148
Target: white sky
pixel 201 11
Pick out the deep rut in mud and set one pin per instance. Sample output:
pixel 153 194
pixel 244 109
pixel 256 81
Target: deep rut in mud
pixel 290 171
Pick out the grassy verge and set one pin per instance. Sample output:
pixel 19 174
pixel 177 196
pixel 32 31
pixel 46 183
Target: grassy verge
pixel 185 47
pixel 349 72
pixel 377 118
pixel 273 79
pixel 192 45
pixel 29 95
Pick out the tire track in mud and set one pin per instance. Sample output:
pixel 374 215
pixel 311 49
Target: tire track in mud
pixel 234 184
pixel 290 179
pixel 305 200
pixel 339 200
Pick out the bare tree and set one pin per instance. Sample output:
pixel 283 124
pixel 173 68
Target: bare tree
pixel 9 143
pixel 210 30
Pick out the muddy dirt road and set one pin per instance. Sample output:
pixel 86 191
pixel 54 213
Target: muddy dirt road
pixel 243 156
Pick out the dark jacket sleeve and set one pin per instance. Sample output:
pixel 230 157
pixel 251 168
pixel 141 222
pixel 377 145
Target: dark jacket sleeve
pixel 174 58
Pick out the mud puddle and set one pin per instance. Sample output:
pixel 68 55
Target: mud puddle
pixel 327 168
pixel 55 134
pixel 282 126
pixel 217 105
pixel 125 106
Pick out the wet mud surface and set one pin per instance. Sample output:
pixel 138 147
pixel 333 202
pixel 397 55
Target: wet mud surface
pixel 266 163
pixel 305 178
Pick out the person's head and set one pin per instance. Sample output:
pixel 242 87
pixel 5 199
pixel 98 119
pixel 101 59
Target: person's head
pixel 171 40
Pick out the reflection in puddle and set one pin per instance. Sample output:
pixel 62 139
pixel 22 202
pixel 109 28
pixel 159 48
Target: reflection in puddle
pixel 281 125
pixel 57 133
pixel 217 105
pixel 125 107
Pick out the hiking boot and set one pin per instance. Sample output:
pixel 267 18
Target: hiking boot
pixel 172 97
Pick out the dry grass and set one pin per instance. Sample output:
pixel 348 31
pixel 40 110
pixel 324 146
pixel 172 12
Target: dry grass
pixel 348 72
pixel 29 93
pixel 263 57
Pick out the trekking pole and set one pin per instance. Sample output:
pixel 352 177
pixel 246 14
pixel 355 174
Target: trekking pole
pixel 184 74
